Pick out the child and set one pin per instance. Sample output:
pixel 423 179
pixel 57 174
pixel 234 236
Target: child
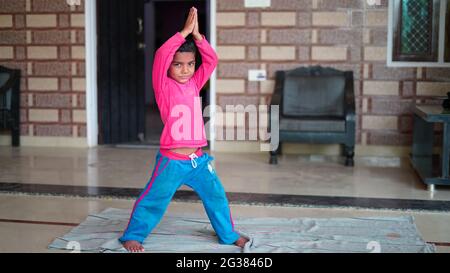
pixel 180 160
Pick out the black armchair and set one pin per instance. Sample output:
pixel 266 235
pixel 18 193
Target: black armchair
pixel 10 102
pixel 317 105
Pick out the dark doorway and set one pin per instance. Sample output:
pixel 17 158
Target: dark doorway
pixel 120 71
pixel 163 18
pixel 129 32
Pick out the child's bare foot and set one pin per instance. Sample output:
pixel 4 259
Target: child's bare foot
pixel 241 242
pixel 133 246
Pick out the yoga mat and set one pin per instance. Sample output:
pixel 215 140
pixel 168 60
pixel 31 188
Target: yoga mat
pixel 99 233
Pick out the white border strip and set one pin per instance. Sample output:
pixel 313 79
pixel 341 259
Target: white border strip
pixel 390 32
pixel 442 19
pixel 91 72
pixel 212 86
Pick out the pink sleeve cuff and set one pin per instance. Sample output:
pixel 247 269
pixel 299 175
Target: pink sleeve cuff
pixel 180 37
pixel 200 42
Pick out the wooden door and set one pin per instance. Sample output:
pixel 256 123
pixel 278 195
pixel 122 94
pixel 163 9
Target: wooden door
pixel 120 71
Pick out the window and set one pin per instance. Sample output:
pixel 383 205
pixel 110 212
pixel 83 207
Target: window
pixel 447 33
pixel 418 33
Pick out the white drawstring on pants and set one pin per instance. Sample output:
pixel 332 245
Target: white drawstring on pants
pixel 193 156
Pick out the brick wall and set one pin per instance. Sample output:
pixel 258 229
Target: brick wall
pixel 344 34
pixel 45 39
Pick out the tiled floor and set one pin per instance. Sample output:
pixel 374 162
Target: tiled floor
pixel 28 223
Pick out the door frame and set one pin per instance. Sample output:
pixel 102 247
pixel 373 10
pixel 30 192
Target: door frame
pixel 90 18
pixel 92 130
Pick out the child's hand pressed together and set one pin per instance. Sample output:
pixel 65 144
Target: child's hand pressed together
pixel 191 25
pixel 195 31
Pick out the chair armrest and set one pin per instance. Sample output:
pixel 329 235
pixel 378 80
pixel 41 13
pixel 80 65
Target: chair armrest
pixel 349 97
pixel 277 94
pixel 278 89
pixel 14 76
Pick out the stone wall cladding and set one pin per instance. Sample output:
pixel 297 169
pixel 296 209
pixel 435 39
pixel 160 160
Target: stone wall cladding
pixel 46 41
pixel 344 34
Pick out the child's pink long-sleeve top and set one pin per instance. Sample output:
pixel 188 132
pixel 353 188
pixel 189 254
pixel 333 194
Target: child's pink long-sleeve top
pixel 180 104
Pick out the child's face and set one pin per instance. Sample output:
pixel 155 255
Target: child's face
pixel 182 67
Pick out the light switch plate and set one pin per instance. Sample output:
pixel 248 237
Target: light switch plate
pixel 257 75
pixel 257 3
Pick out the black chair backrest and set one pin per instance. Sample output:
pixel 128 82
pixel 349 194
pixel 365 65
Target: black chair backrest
pixel 314 92
pixel 8 78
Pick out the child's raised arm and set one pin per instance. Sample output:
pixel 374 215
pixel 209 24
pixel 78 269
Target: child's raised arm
pixel 163 58
pixel 209 63
pixel 209 57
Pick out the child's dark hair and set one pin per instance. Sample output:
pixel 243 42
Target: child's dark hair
pixel 188 46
